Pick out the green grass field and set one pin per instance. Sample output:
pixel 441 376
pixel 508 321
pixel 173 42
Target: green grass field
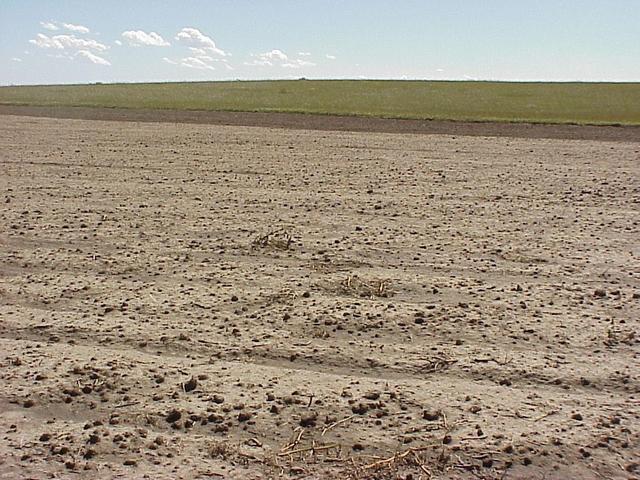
pixel 581 103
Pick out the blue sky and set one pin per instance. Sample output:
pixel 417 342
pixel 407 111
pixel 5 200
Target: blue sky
pixel 165 40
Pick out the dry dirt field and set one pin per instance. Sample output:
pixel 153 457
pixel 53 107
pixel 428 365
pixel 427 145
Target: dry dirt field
pixel 196 301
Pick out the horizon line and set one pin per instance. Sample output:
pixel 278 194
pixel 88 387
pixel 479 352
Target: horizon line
pixel 374 79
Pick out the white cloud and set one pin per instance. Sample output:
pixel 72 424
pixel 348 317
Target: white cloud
pixel 199 62
pixel 273 55
pixel 304 54
pixel 49 25
pixel 93 58
pixel 194 62
pixel 298 63
pixel 259 63
pixel 277 57
pixel 76 28
pixel 118 42
pixel 330 57
pixel 138 38
pixel 268 59
pixel 194 37
pixel 60 42
pixel 16 59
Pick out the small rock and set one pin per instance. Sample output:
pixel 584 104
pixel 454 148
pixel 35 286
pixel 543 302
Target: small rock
pixel 359 409
pixel 373 395
pixel 173 416
pixel 308 420
pixel 431 415
pixel 244 416
pixel 190 385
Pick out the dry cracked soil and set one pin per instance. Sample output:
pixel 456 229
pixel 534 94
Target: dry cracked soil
pixel 204 301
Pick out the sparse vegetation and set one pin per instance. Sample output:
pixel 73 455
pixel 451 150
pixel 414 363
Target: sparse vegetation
pixel 582 103
pixel 358 287
pixel 280 239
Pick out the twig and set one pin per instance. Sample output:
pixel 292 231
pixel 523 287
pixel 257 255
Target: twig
pixel 254 442
pixel 126 404
pixel 422 467
pixel 552 412
pixel 294 443
pixel 306 449
pixel 396 457
pixel 335 424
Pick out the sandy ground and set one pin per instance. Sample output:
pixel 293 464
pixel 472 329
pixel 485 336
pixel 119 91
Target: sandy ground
pixel 197 301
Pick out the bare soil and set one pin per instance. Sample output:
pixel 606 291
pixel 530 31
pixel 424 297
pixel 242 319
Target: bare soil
pixel 200 301
pixel 335 123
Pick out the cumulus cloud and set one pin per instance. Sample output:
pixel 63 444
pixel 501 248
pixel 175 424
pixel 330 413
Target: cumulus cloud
pixel 273 55
pixel 118 42
pixel 268 59
pixel 198 51
pixel 93 58
pixel 16 59
pixel 197 63
pixel 76 28
pixel 169 61
pixel 60 42
pixel 298 63
pixel 139 38
pixel 330 57
pixel 304 54
pixel 277 57
pixel 49 26
pixel 53 25
pixel 197 39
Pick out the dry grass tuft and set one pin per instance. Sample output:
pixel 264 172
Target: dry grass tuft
pixel 616 335
pixel 280 239
pixel 358 287
pixel 220 449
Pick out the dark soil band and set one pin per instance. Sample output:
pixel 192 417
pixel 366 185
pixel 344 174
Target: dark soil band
pixel 334 122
